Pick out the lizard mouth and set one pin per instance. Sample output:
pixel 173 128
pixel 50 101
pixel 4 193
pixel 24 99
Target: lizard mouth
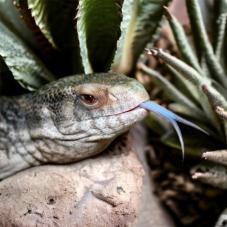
pixel 130 110
pixel 133 110
pixel 137 107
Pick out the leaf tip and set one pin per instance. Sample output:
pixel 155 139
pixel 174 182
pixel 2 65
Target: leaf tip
pixel 167 13
pixel 152 51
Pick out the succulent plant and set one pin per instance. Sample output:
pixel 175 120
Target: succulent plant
pixel 41 40
pixel 197 89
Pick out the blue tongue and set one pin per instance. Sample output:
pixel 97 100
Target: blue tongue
pixel 172 118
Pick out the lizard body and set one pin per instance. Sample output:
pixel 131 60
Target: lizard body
pixel 67 120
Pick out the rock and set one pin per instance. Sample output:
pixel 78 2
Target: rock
pixel 107 190
pixel 101 191
pixel 151 211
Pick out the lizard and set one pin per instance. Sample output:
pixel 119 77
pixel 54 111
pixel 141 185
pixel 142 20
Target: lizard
pixel 67 120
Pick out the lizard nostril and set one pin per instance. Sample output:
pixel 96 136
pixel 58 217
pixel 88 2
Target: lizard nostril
pixel 113 97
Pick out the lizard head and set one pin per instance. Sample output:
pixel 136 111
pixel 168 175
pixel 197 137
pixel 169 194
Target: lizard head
pixel 90 111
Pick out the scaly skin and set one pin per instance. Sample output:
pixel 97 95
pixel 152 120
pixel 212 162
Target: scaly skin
pixel 58 124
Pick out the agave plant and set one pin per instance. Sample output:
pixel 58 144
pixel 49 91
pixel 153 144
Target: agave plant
pixel 197 89
pixel 41 40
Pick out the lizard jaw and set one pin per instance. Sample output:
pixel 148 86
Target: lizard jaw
pixel 132 109
pixel 137 107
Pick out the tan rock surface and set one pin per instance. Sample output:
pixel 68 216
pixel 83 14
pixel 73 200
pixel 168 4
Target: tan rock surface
pixel 102 191
pixel 108 190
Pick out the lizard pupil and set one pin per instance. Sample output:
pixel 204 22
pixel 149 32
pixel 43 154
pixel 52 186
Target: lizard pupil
pixel 88 99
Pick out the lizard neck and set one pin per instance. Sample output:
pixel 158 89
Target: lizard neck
pixel 14 139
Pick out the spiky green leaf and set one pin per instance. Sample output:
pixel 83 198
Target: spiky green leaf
pixel 219 156
pixel 220 30
pixel 172 92
pixel 99 29
pixel 186 111
pixel 27 69
pixel 187 71
pixel 188 88
pixel 146 19
pixel 203 41
pixel 182 42
pixel 39 10
pixel 127 12
pixel 196 79
pixel 10 15
pixel 56 20
pixel 213 175
pixel 221 23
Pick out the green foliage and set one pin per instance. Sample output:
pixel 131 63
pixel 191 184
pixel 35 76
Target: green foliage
pixel 202 39
pixel 10 15
pixel 198 90
pixel 205 93
pixel 56 21
pixel 26 68
pixel 57 38
pixel 99 28
pixel 221 24
pixel 74 36
pixel 182 42
pixel 146 19
pixel 56 34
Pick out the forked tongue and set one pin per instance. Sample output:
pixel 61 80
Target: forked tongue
pixel 172 118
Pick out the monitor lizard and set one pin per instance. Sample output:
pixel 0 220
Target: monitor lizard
pixel 67 120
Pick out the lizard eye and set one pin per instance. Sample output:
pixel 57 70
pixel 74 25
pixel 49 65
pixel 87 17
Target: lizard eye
pixel 88 99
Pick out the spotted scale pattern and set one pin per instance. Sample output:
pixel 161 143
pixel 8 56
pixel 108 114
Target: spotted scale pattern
pixel 54 125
